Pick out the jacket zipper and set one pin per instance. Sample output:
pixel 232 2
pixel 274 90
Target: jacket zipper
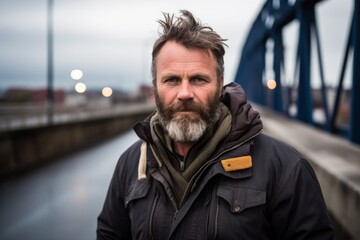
pixel 182 166
pixel 181 163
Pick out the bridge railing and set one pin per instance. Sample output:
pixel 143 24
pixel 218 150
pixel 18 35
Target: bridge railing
pixel 23 116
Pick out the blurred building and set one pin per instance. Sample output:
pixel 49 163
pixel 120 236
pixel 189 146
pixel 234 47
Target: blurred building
pixel 37 96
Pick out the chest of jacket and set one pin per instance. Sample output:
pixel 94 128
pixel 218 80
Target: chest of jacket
pixel 220 205
pixel 221 209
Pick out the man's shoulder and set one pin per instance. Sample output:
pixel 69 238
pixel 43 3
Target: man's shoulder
pixel 278 161
pixel 130 156
pixel 127 164
pixel 265 139
pixel 276 150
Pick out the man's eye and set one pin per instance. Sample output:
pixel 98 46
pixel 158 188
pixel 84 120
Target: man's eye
pixel 172 80
pixel 198 80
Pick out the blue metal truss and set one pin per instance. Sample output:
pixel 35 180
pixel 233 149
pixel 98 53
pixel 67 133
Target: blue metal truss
pixel 268 25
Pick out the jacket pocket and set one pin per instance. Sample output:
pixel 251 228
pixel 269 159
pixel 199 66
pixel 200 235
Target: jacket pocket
pixel 240 199
pixel 138 206
pixel 137 191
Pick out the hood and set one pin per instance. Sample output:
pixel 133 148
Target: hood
pixel 246 121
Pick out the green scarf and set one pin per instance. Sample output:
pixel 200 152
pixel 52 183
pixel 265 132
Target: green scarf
pixel 198 155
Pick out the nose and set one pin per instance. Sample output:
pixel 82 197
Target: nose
pixel 185 91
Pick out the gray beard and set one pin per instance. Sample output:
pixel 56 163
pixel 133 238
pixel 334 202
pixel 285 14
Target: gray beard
pixel 186 131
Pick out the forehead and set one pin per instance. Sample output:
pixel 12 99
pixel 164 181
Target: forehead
pixel 173 54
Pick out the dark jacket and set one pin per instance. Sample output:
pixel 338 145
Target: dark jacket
pixel 277 196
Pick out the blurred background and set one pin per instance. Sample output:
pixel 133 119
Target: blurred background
pixel 75 76
pixel 100 50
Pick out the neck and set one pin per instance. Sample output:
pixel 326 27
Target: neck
pixel 182 148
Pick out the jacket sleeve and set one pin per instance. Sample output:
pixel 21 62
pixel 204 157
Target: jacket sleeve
pixel 298 210
pixel 113 221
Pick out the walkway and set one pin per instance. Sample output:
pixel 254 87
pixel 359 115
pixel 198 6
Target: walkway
pixel 61 200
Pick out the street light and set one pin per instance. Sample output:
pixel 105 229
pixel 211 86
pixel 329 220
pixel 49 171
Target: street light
pixel 50 70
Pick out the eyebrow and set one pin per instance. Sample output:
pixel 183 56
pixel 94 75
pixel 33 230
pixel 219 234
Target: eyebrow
pixel 195 75
pixel 199 75
pixel 168 76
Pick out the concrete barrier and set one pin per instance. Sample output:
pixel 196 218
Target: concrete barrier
pixel 21 149
pixel 335 160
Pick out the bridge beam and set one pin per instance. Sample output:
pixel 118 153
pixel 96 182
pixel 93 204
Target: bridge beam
pixel 355 95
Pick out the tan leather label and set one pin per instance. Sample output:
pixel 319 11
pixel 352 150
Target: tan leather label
pixel 238 163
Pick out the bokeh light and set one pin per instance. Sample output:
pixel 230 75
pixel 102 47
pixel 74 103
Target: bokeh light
pixel 80 87
pixel 76 74
pixel 107 91
pixel 271 84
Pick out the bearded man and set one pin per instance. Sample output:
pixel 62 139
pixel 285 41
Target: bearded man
pixel 202 169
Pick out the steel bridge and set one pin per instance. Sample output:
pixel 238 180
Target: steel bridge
pixel 269 26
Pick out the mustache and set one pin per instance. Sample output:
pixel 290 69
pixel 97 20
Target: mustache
pixel 187 106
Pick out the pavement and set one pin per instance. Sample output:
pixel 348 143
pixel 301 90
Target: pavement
pixel 63 199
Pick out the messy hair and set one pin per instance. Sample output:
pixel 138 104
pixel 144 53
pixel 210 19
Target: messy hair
pixel 191 33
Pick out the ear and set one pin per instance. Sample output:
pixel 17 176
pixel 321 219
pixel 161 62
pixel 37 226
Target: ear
pixel 221 86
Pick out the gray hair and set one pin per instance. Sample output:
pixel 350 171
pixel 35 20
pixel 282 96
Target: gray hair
pixel 189 32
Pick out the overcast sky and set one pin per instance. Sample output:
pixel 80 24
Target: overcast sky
pixel 111 40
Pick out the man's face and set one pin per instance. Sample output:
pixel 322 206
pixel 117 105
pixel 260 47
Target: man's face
pixel 187 91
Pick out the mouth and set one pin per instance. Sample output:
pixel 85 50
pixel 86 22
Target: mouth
pixel 184 113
